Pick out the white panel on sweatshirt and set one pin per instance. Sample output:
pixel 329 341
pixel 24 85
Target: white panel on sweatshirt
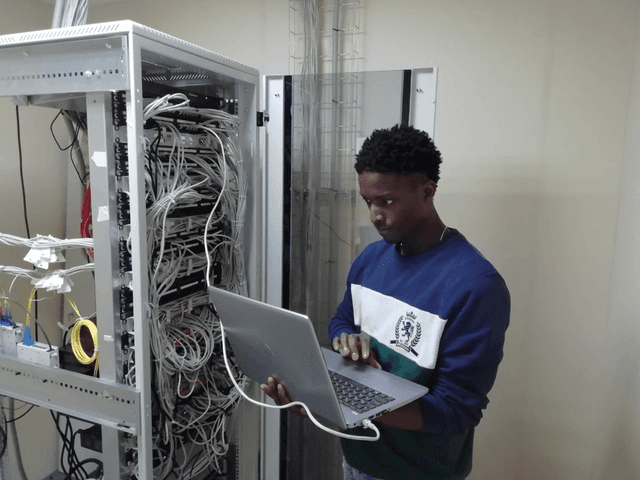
pixel 405 329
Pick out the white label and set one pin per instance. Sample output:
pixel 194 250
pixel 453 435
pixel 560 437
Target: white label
pixel 99 159
pixel 103 214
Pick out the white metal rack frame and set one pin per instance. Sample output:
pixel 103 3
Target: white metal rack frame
pixel 99 69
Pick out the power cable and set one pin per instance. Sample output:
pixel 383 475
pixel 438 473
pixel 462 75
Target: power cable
pixel 21 416
pixel 14 436
pixel 24 195
pixel 24 192
pixel 74 131
pixel 3 431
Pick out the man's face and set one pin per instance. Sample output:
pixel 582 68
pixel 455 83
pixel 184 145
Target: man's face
pixel 399 205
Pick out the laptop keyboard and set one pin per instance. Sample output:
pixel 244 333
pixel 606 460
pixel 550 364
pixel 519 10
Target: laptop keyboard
pixel 356 396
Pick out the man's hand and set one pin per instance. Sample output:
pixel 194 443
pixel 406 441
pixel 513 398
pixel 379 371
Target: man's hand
pixel 278 393
pixel 356 346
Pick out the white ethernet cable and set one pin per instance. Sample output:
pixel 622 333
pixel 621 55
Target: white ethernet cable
pixel 57 280
pixel 45 249
pixel 182 339
pixel 41 241
pixel 162 104
pixel 366 423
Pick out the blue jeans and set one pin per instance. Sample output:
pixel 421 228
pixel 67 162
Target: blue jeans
pixel 351 473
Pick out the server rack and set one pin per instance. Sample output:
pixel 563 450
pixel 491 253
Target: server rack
pixel 106 70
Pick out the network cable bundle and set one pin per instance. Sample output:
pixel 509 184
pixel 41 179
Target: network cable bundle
pixel 195 205
pixel 195 201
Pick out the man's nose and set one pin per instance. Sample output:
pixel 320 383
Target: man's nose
pixel 375 216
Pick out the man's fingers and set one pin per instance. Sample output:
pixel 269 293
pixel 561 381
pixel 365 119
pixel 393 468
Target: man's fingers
pixel 278 393
pixel 353 346
pixel 364 346
pixel 269 389
pixel 344 344
pixel 282 395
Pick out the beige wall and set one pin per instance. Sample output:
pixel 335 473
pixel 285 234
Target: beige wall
pixel 619 390
pixel 253 32
pixel 531 121
pixel 536 130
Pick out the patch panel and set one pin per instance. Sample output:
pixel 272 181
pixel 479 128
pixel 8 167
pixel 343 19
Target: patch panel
pixel 9 338
pixel 39 353
pixel 124 257
pixel 121 154
pixel 126 303
pixel 185 286
pixel 124 210
pixel 119 110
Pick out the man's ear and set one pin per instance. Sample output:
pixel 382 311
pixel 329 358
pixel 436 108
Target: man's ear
pixel 430 189
pixel 427 187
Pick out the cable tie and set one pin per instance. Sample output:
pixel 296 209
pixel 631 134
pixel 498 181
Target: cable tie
pixel 189 266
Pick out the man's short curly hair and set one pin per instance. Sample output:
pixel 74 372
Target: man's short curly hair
pixel 403 150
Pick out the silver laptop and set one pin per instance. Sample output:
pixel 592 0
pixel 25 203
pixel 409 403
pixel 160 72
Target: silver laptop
pixel 271 341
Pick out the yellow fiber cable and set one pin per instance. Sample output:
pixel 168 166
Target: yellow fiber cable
pixel 76 345
pixel 4 296
pixel 73 304
pixel 28 320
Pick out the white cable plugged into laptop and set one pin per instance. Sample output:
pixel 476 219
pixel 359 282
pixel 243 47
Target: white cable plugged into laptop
pixel 366 423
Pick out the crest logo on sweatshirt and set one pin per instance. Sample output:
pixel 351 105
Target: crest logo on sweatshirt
pixel 408 333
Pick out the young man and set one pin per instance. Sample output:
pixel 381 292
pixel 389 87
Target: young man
pixel 421 303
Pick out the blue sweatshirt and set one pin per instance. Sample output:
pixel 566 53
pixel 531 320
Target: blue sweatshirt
pixel 437 318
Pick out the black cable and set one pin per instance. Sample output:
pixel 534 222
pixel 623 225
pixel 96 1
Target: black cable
pixel 3 441
pixel 81 464
pixel 75 138
pixel 24 193
pixel 3 430
pixel 24 405
pixel 21 416
pixel 24 199
pixel 68 440
pixel 69 445
pixel 73 142
pixel 63 437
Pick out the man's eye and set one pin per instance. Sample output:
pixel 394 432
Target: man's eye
pixel 387 202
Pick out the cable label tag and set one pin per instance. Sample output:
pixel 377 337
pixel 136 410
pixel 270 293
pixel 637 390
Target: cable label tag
pixel 103 214
pixel 40 257
pixel 100 159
